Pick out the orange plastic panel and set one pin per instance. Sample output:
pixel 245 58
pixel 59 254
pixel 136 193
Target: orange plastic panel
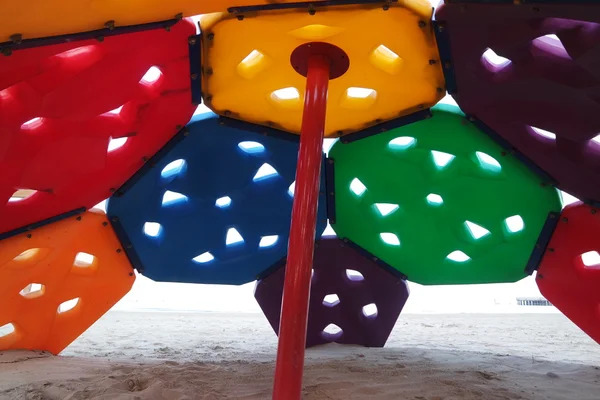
pixel 76 258
pixel 394 64
pixel 41 18
pixel 569 274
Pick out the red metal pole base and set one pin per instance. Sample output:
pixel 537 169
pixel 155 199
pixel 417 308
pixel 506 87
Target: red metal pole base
pixel 296 290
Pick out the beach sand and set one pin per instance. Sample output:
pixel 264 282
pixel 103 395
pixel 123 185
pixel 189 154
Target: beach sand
pixel 152 355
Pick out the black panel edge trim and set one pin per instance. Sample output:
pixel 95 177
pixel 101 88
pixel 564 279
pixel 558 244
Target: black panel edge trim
pixel 195 54
pixel 126 244
pixel 343 241
pixel 152 161
pixel 260 129
pixel 385 266
pixel 387 126
pixel 272 269
pixel 542 242
pixel 330 187
pixel 593 203
pixel 39 224
pixel 546 178
pixel 444 48
pixel 7 48
pixel 304 5
pixel 522 2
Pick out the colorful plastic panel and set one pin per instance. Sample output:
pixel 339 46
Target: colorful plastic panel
pixel 569 275
pixel 214 208
pixel 56 281
pixel 531 75
pixel 390 75
pixel 352 299
pixel 65 110
pixel 440 201
pixel 41 18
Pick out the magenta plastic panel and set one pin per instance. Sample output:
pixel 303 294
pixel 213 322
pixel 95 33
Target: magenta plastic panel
pixel 348 290
pixel 543 95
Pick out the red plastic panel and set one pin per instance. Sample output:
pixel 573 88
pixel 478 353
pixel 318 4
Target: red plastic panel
pixel 56 120
pixel 569 275
pixel 538 85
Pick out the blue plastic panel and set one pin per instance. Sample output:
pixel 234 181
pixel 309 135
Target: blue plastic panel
pixel 203 190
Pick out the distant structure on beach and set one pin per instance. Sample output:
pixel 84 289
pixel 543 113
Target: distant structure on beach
pixel 533 301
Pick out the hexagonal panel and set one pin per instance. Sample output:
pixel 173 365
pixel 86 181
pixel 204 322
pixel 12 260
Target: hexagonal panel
pixel 390 76
pixel 440 201
pixel 352 299
pixel 214 206
pixel 532 77
pixel 78 119
pixel 569 274
pixel 47 298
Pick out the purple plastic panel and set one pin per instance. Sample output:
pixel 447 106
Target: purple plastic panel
pixel 544 96
pixel 347 289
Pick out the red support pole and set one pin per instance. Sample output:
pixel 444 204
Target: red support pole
pixel 296 290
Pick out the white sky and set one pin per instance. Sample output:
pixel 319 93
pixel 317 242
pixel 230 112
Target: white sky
pixel 147 294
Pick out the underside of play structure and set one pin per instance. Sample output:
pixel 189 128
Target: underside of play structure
pixel 97 102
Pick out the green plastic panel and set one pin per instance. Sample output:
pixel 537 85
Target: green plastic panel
pixel 439 201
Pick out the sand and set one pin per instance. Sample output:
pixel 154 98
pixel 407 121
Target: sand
pixel 129 355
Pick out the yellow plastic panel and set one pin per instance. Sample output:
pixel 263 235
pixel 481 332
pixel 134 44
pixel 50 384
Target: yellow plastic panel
pixel 394 64
pixel 57 280
pixel 42 18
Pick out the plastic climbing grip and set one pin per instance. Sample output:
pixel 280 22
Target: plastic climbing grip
pixel 78 119
pixel 569 274
pixel 57 280
pixel 532 77
pixel 390 76
pixel 214 206
pixel 440 201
